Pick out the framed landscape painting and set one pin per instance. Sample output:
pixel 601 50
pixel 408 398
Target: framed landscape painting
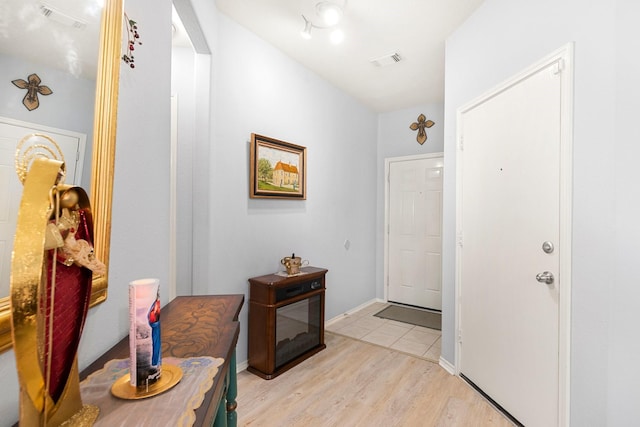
pixel 278 169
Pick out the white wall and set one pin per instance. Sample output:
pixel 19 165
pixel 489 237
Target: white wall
pixel 623 347
pixel 396 139
pixel 258 89
pixel 500 39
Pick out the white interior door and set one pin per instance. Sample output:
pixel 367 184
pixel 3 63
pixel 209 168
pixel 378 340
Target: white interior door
pixel 11 132
pixel 510 206
pixel 415 231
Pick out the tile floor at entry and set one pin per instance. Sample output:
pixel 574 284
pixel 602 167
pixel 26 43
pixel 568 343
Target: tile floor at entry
pixel 363 325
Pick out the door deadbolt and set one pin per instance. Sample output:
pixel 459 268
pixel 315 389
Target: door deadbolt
pixel 545 277
pixel 547 247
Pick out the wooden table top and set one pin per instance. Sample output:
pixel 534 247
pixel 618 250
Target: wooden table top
pixel 193 326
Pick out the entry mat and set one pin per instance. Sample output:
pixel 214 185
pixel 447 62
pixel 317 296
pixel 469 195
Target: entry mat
pixel 414 316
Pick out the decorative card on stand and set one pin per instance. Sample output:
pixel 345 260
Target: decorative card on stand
pixel 144 332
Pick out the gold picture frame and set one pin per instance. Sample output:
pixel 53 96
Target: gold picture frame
pixel 278 169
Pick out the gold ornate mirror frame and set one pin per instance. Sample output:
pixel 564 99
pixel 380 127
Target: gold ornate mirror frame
pixel 102 165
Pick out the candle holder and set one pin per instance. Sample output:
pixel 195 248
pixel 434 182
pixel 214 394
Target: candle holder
pixel 122 388
pixel 147 377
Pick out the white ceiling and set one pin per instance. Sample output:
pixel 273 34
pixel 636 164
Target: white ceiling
pixel 416 29
pixel 27 33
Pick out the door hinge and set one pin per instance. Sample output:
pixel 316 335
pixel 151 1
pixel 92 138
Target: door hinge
pixel 461 143
pixel 460 336
pixel 459 238
pixel 558 66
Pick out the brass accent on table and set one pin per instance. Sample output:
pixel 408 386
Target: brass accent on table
pixel 293 264
pixel 171 376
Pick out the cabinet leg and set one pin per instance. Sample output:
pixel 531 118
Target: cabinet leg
pixel 232 393
pixel 221 415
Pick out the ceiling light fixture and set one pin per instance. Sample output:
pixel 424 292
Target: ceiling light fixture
pixel 326 14
pixel 306 32
pixel 330 13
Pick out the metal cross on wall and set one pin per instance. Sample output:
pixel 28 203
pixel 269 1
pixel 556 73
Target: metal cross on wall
pixel 33 88
pixel 420 127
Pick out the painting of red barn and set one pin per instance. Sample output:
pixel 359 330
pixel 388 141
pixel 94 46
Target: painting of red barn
pixel 278 169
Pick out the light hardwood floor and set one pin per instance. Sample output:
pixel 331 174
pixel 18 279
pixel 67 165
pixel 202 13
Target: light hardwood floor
pixel 354 383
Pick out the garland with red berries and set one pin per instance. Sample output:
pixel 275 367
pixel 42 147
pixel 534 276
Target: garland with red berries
pixel 133 38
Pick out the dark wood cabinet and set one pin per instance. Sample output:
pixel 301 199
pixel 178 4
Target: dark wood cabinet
pixel 286 320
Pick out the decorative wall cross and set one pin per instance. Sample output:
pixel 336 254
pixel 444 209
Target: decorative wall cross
pixel 420 127
pixel 33 88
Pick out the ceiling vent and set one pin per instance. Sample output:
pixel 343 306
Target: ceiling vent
pixel 385 60
pixel 61 18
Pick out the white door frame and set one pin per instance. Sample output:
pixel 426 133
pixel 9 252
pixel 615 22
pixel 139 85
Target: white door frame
pixel 173 184
pixel 564 58
pixel 387 165
pixel 199 160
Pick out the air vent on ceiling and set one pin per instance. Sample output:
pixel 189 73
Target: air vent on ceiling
pixel 61 18
pixel 385 60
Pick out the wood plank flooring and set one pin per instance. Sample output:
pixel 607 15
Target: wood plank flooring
pixel 354 383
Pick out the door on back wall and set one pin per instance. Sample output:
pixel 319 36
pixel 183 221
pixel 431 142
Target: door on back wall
pixel 414 230
pixel 11 132
pixel 513 225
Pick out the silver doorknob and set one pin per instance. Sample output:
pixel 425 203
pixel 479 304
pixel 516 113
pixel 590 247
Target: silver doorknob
pixel 545 277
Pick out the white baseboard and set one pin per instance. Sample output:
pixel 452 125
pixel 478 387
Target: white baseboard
pixel 447 366
pixel 242 366
pixel 364 305
pixel 353 310
pixel 334 320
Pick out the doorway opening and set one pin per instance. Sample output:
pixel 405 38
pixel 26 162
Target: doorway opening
pixel 190 117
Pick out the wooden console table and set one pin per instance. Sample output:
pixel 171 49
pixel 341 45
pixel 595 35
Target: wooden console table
pixel 198 326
